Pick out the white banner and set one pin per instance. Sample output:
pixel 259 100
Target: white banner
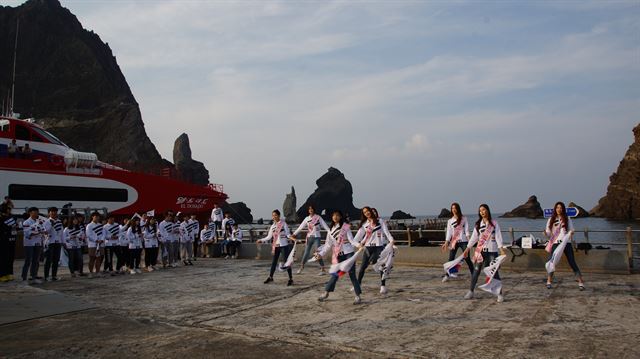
pixel 319 250
pixel 385 261
pixel 290 259
pixel 344 266
pixel 493 286
pixel 151 213
pixel 452 267
pixel 557 254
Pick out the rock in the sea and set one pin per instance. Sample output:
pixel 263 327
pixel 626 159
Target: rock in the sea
pixel 69 80
pixel 401 215
pixel 289 206
pixel 334 192
pixel 239 211
pixel 186 167
pixel 582 213
pixel 445 213
pixel 622 200
pixel 531 209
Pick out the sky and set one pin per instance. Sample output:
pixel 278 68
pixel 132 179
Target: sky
pixel 418 103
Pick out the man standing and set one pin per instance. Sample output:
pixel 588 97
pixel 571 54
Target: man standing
pixel 216 218
pixel 34 232
pixel 8 234
pixel 95 242
pixel 53 244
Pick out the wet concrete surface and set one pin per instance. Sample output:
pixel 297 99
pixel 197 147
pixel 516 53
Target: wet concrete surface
pixel 221 308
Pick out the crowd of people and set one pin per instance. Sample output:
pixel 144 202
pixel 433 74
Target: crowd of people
pixel 118 248
pixel 113 248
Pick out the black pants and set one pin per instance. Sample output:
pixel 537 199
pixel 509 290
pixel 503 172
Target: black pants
pixel 452 255
pixel 331 284
pixel 218 226
pixel 75 260
pixel 232 247
pixel 52 259
pixel 7 255
pixel 487 257
pixel 371 255
pixel 134 258
pixel 568 252
pixel 150 256
pixel 123 257
pixel 31 261
pixel 108 258
pixel 276 256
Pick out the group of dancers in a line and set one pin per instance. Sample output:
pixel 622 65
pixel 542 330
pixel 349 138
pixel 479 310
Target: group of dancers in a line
pixel 376 242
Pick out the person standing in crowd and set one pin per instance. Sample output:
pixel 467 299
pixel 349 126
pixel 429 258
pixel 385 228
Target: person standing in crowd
pixel 34 231
pixel 457 236
pixel 175 244
pixel 111 243
pixel 487 235
pixel 373 235
pixel 227 224
pixel 312 224
pixel 73 242
pixel 206 236
pixel 342 245
pixel 166 229
pixel 95 242
pixel 7 201
pixel 123 248
pixel 53 244
pixel 216 218
pixel 12 148
pixel 8 236
pixel 186 245
pixel 194 232
pixel 134 235
pixel 558 227
pixel 150 234
pixel 279 236
pixel 234 242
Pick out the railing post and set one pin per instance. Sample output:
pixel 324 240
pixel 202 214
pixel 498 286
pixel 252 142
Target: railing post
pixel 586 234
pixel 629 237
pixel 409 236
pixel 419 232
pixel 513 238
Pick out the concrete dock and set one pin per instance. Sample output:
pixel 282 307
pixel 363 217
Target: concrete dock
pixel 220 308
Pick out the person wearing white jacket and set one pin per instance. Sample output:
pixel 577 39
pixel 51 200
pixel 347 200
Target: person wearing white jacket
pixel 34 232
pixel 558 227
pixel 186 244
pixel 312 223
pixel 95 242
pixel 123 247
pixel 73 242
pixel 134 235
pixel 206 240
pixel 374 236
pixel 216 218
pixel 234 241
pixel 487 235
pixel 279 236
pixel 111 243
pixel 457 236
pixel 342 245
pixel 54 228
pixel 150 235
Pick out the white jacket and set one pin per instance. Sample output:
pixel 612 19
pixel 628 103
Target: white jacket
pixel 283 240
pixel 150 236
pixel 336 234
pixel 72 238
pixel 217 214
pixel 135 239
pixel 95 234
pixel 33 230
pixel 494 242
pixel 111 235
pixel 563 231
pixel 452 224
pixel 380 234
pixel 312 225
pixel 54 230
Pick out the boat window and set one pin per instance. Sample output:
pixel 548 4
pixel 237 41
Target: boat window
pixel 4 125
pixel 66 193
pixel 51 138
pixel 22 133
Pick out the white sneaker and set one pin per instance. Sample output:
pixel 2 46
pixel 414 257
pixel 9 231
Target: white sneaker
pixel 132 272
pixel 453 275
pixel 357 300
pixel 323 297
pixel 138 270
pixel 500 298
pixel 322 272
pixel 352 289
pixel 383 290
pixel 469 295
pixel 445 279
pixel 300 270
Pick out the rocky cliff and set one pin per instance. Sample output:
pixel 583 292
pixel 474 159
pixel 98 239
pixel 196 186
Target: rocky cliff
pixel 531 209
pixel 186 167
pixel 69 80
pixel 622 200
pixel 334 192
pixel 289 206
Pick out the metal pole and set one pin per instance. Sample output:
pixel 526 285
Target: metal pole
pixel 13 81
pixel 629 246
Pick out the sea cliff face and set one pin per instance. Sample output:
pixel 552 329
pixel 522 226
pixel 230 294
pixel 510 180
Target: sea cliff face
pixel 622 200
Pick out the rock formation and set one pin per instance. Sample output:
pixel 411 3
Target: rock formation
pixel 289 207
pixel 401 215
pixel 188 169
pixel 622 200
pixel 69 80
pixel 445 213
pixel 334 192
pixel 531 209
pixel 582 213
pixel 239 211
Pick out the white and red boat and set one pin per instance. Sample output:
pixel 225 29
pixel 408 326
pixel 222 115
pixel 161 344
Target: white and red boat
pixel 55 175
